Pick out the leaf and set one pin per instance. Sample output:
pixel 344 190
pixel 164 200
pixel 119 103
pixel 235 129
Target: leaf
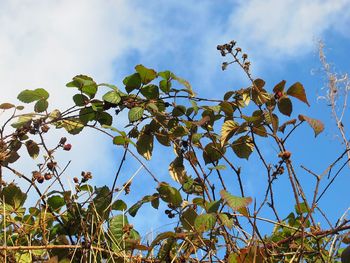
pixel 232 258
pixel 80 99
pixel 132 82
pixel 218 167
pixel 212 153
pixel 150 92
pixel 146 199
pixel 165 85
pixel 73 126
pixel 144 145
pixel 160 237
pixel 12 195
pixel 186 84
pixel 316 125
pixel 169 194
pixel 28 96
pixel 85 84
pixel 122 240
pixel 6 106
pixel 32 148
pixel 285 105
pixel 120 140
pixel 205 222
pixel 228 129
pixel 243 146
pixel 284 125
pixel 279 87
pixel 146 74
pixel 119 205
pixel 177 170
pixel 112 97
pixel 41 105
pixel 179 110
pixel 135 114
pixel 297 91
pixel 86 115
pixel 235 202
pixel 23 120
pixel 188 218
pixel 225 220
pixel 55 202
pixel 212 207
pixel 104 118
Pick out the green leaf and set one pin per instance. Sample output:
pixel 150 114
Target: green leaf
pixel 228 129
pixel 179 110
pixel 243 146
pixel 80 99
pixel 225 220
pixel 169 194
pixel 41 105
pixel 73 126
pixel 144 145
pixel 85 84
pixel 188 218
pixel 135 114
pixel 22 121
pixel 303 208
pixel 218 167
pixel 132 82
pixel 28 96
pixel 212 153
pixel 86 115
pixel 119 205
pixel 160 237
pixel 55 202
pixel 212 207
pixel 12 195
pixel 120 239
pixel 150 92
pixel 285 105
pixel 112 97
pixel 146 199
pixel 232 258
pixel 316 125
pixel 297 91
pixel 32 148
pixel 165 85
pixel 235 202
pixel 119 140
pixel 104 118
pixel 146 74
pixel 205 222
pixel 6 106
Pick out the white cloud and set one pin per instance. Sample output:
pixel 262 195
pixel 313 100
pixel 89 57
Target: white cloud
pixel 275 28
pixel 44 43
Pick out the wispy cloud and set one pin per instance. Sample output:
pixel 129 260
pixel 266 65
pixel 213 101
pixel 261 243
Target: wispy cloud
pixel 276 28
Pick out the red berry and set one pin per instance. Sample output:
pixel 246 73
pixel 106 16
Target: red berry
pixel 76 180
pixel 67 147
pixel 48 176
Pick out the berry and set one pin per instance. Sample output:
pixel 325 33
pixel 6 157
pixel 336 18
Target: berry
pixel 63 140
pixel 67 147
pixel 76 180
pixel 40 179
pixel 48 176
pixel 45 128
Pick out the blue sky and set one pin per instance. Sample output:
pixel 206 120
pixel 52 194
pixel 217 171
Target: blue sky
pixel 45 43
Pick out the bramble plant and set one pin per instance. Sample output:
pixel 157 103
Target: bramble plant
pixel 216 221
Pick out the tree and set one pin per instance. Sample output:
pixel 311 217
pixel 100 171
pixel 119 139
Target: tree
pixel 210 138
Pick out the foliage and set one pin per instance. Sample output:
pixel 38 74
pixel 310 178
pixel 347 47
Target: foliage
pixel 215 222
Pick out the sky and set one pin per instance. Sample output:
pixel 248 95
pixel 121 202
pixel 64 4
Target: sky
pixel 43 44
